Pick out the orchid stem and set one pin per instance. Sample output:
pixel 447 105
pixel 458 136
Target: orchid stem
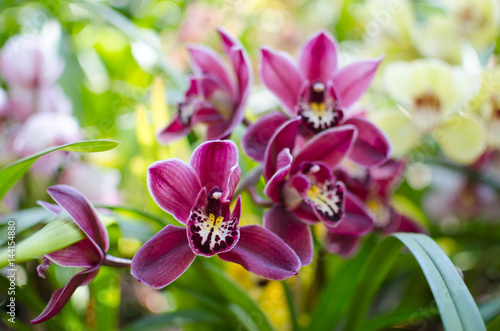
pixel 257 199
pixel 116 262
pixel 249 180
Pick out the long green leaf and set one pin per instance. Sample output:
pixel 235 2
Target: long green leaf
pixel 10 174
pixel 246 309
pixel 173 319
pixel 458 310
pixel 24 219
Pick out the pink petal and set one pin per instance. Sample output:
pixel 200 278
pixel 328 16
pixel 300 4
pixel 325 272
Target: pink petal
pixel 306 213
pixel 215 162
pixel 372 147
pixel 345 246
pixel 284 137
pixel 173 132
pixel 82 211
pixel 294 233
pixel 353 80
pixel 387 176
pixel 409 225
pixel 318 57
pixel 206 61
pixel 358 220
pixel 329 146
pixel 274 186
pixel 174 185
pixel 50 207
pixel 258 135
pixel 279 74
pixel 163 258
pixel 80 254
pixel 263 253
pixel 61 296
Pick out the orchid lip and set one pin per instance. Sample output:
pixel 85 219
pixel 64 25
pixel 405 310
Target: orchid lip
pixel 186 110
pixel 318 108
pixel 211 229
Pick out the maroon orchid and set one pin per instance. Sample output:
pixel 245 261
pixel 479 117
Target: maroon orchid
pixel 374 187
pixel 216 96
pixel 301 183
pixel 89 253
pixel 198 195
pixel 319 93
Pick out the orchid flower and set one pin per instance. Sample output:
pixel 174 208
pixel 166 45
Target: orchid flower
pixel 216 96
pixel 301 183
pixel 374 187
pixel 436 100
pixel 198 195
pixel 321 94
pixel 89 253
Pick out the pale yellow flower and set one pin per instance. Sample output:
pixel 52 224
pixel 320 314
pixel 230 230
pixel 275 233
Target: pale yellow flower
pixel 435 99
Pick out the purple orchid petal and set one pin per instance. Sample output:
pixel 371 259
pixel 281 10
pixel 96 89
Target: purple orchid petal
pixel 206 61
pixel 263 253
pixel 353 80
pixel 232 183
pixel 163 258
pixel 358 220
pixel 306 213
pixel 294 190
pixel 280 75
pixel 258 135
pixel 50 207
pixel 318 57
pixel 173 132
pixel 215 162
pixel 61 296
pixel 284 137
pixel 409 225
pixel 82 211
pixel 295 233
pixel 345 246
pixel 42 268
pixel 80 254
pixel 210 229
pixel 387 176
pixel 329 147
pixel 273 187
pixel 372 147
pixel 174 185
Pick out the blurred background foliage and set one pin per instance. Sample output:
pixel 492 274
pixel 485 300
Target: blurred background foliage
pixel 125 63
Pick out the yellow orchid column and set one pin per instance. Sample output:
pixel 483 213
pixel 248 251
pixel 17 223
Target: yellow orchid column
pixel 435 99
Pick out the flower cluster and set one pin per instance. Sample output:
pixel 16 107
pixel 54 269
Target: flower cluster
pixel 322 160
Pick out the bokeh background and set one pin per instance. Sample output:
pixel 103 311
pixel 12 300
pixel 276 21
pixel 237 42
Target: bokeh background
pixel 118 69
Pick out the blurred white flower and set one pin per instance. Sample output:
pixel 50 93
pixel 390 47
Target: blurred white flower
pixel 30 61
pixel 97 183
pixel 42 130
pixel 436 100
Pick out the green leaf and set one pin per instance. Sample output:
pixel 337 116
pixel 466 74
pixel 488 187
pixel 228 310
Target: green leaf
pixel 331 303
pixel 24 219
pixel 245 309
pixel 173 319
pixel 490 309
pixel 456 305
pixel 495 325
pixel 400 317
pixel 10 174
pixel 57 234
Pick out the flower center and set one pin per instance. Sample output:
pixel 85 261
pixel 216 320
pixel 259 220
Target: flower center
pixel 186 110
pixel 210 229
pixel 326 197
pixel 427 112
pixel 320 111
pixel 383 214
